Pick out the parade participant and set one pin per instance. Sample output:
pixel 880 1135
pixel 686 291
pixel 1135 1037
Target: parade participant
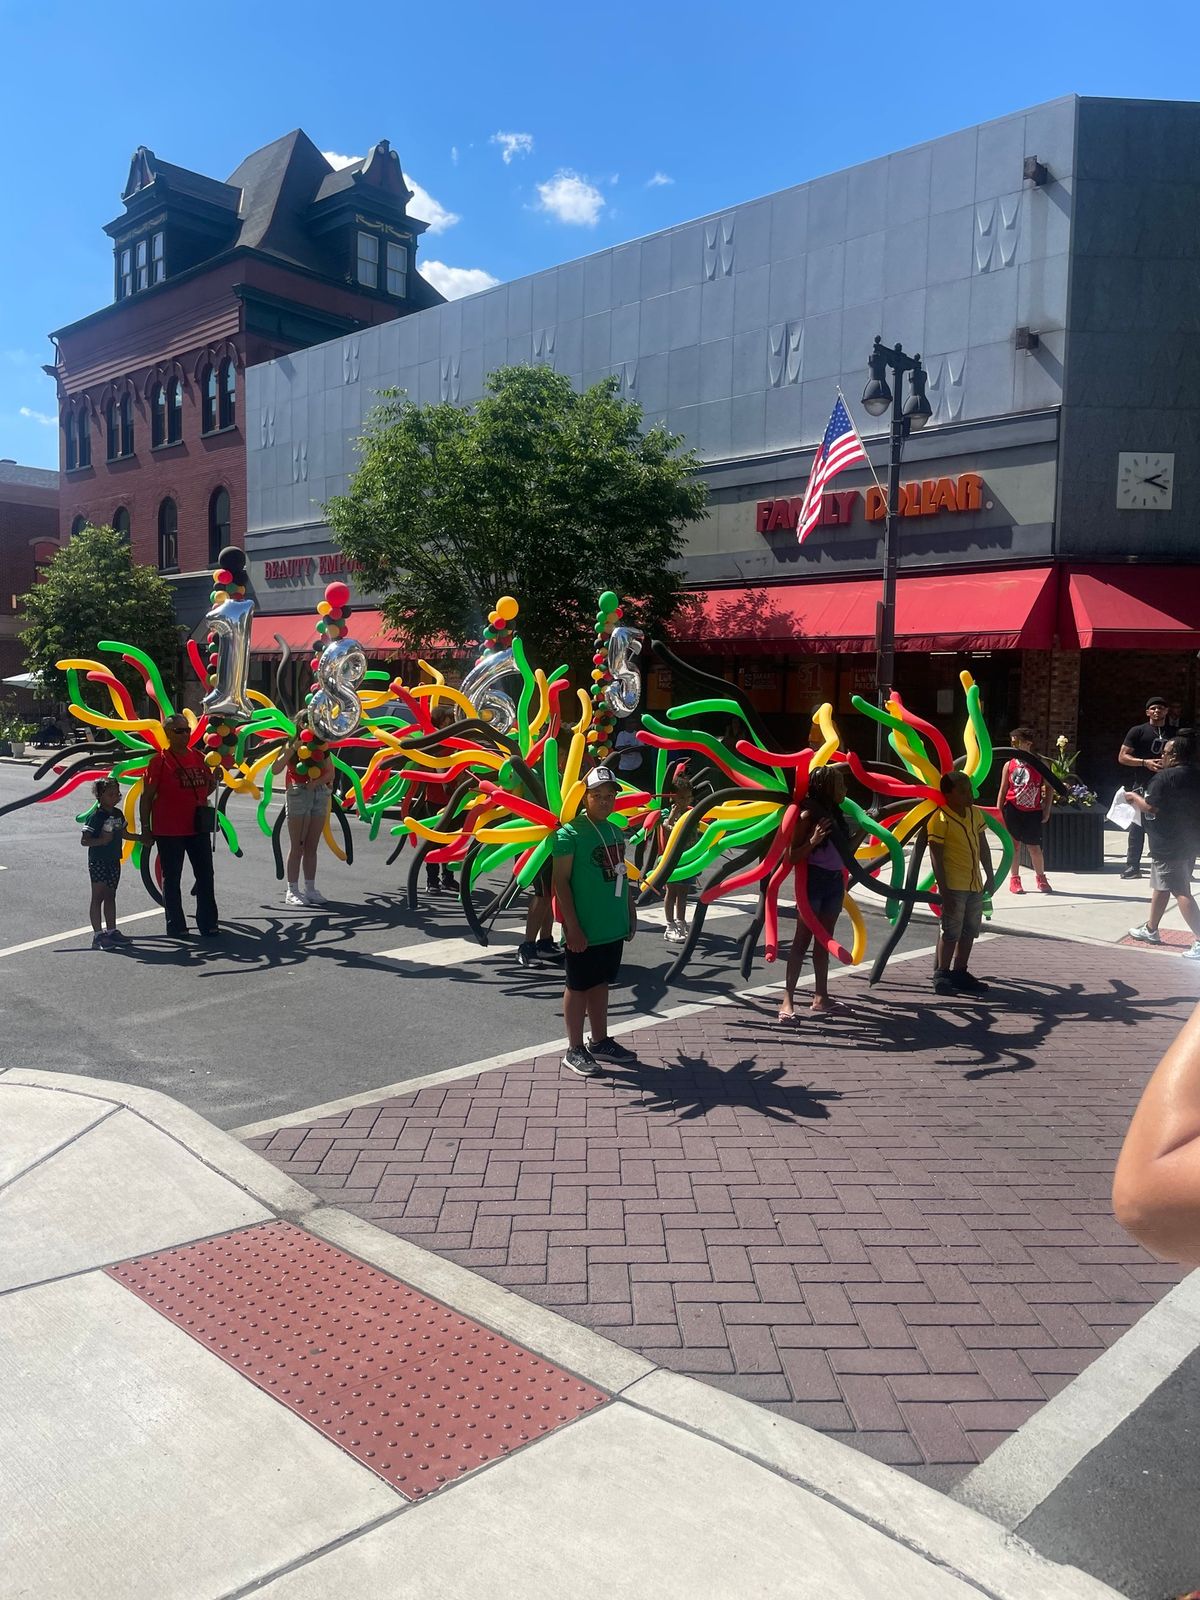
pixel 599 916
pixel 1142 748
pixel 439 879
pixel 680 799
pixel 1171 807
pixel 178 785
pixel 538 942
pixel 816 856
pixel 1026 800
pixel 962 865
pixel 104 833
pixel 306 802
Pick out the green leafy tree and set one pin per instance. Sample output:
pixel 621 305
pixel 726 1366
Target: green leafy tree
pixel 93 590
pixel 537 491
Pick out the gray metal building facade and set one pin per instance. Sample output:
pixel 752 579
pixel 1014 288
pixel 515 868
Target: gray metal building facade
pixel 736 330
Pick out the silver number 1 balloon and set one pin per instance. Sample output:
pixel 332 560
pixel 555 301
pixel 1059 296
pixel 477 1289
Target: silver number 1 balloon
pixel 229 624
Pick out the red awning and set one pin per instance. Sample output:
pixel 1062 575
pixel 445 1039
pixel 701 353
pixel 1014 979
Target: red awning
pixel 299 630
pixel 1131 608
pixel 1004 609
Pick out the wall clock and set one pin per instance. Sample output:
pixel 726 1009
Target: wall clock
pixel 1145 481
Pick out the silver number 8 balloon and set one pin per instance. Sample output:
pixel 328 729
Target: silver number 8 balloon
pixel 479 686
pixel 335 710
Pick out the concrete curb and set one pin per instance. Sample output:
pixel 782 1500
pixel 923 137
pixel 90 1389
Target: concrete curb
pixel 954 1537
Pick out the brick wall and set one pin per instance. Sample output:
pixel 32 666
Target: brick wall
pixel 28 533
pixel 1050 695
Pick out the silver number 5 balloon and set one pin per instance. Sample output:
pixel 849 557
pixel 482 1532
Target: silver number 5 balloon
pixel 229 624
pixel 335 710
pixel 625 690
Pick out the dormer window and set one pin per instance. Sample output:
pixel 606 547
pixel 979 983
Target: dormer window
pixel 140 263
pixel 368 260
pixel 397 270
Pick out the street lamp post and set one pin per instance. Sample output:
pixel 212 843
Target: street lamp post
pixel 913 413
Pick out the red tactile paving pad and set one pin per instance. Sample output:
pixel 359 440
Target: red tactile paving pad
pixel 413 1390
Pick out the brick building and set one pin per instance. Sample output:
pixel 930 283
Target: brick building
pixel 209 278
pixel 29 529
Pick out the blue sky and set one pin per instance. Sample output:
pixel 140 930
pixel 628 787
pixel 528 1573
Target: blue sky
pixel 536 132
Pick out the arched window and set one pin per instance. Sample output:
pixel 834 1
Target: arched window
pixel 168 536
pixel 174 411
pixel 112 436
pixel 71 441
pixel 83 437
pixel 208 391
pixel 127 424
pixel 120 522
pixel 218 524
pixel 78 525
pixel 228 398
pixel 158 416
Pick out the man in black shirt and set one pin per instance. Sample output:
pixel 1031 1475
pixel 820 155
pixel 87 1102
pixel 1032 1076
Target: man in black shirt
pixel 1142 747
pixel 1171 807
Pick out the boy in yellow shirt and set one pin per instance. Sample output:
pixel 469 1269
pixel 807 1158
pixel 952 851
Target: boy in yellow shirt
pixel 962 864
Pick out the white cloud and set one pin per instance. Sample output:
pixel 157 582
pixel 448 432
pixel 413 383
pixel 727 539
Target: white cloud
pixel 454 155
pixel 455 282
pixel 429 210
pixel 570 198
pixel 38 416
pixel 513 144
pixel 659 181
pixel 422 205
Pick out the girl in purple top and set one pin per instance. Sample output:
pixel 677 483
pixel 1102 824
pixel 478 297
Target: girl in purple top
pixel 814 853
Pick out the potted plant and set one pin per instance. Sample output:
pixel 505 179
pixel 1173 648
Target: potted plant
pixel 1074 836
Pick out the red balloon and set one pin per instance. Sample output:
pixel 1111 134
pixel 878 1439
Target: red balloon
pixel 337 593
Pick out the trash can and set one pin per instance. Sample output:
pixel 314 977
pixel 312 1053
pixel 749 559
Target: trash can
pixel 1074 839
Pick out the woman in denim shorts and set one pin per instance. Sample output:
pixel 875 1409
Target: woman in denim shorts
pixel 306 797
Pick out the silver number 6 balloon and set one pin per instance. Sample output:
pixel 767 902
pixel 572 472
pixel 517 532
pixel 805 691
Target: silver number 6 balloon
pixel 335 710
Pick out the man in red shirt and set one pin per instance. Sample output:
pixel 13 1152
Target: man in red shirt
pixel 177 784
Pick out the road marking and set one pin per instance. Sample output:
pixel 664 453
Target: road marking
pixel 458 952
pixel 472 1069
pixel 74 933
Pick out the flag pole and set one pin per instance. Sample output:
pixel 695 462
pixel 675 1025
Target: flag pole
pixel 859 437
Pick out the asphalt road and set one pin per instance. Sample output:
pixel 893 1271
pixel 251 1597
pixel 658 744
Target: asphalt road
pixel 292 1008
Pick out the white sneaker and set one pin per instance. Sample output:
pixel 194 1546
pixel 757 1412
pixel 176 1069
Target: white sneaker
pixel 1194 953
pixel 313 897
pixel 294 898
pixel 1145 935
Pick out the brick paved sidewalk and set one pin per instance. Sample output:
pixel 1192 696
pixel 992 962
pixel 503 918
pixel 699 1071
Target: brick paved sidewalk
pixel 893 1227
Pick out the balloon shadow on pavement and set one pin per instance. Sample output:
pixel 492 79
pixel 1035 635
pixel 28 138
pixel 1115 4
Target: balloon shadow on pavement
pixel 691 1086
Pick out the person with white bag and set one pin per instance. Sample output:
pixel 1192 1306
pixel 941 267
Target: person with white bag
pixel 1171 809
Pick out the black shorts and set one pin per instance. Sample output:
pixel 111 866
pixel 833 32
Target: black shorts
pixel 543 883
pixel 107 873
pixel 599 963
pixel 1025 826
pixel 826 889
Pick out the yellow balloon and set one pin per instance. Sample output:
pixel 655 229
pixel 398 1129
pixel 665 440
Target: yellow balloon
pixel 596 674
pixel 323 608
pixel 507 607
pixel 212 759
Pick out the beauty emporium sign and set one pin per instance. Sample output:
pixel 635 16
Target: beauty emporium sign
pixel 307 569
pixel 928 498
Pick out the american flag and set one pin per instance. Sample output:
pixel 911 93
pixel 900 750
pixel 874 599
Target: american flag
pixel 841 447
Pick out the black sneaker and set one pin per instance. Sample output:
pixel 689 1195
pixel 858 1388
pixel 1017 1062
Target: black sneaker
pixel 527 953
pixel 448 885
pixel 610 1050
pixel 582 1062
pixel 549 950
pixel 1132 872
pixel 969 983
pixel 942 983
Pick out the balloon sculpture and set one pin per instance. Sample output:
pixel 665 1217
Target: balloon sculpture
pixel 482 776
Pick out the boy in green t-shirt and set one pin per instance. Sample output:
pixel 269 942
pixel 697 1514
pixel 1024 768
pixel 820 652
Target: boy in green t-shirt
pixel 962 865
pixel 599 916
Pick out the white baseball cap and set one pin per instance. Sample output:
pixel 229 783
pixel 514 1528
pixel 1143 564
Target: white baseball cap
pixel 598 776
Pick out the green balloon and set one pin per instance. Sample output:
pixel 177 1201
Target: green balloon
pixel 608 601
